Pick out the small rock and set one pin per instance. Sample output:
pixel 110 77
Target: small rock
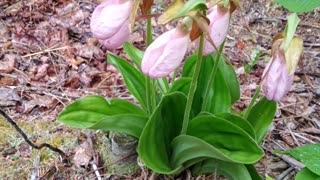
pixel 9 151
pixel 122 144
pixel 296 79
pixel 25 150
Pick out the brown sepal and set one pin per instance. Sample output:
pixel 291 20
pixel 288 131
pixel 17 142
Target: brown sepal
pixel 145 6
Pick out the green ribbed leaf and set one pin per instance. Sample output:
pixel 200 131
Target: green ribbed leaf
pixel 164 125
pixel 232 171
pixel 130 124
pixel 299 6
pixel 89 110
pixel 309 155
pixel 134 79
pixel 233 142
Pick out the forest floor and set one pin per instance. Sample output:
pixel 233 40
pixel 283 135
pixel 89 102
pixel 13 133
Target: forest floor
pixel 48 59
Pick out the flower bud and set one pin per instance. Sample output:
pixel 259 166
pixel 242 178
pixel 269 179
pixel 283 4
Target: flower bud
pixel 110 22
pixel 277 80
pixel 219 22
pixel 166 53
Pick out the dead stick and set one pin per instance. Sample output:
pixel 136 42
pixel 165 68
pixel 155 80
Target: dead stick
pixel 25 137
pixel 110 164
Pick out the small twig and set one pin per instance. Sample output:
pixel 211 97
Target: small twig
pixel 142 167
pixel 293 162
pixel 313 131
pixel 95 168
pixel 293 136
pixel 47 51
pixel 284 174
pixel 304 138
pixel 35 167
pixel 153 176
pixel 279 19
pixel 25 137
pixel 309 74
pixel 115 162
pixel 289 176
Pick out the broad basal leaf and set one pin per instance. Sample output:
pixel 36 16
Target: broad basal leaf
pixel 240 122
pixel 131 124
pixel 306 174
pixel 299 5
pixel 165 123
pixel 232 171
pixel 229 139
pixel 309 155
pixel 89 110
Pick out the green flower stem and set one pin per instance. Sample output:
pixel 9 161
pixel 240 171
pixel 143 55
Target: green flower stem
pixel 163 85
pixel 150 93
pixel 149 31
pixel 253 100
pixel 174 76
pixel 193 87
pixel 211 80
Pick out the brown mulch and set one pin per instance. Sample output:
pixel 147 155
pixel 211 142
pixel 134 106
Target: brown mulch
pixel 49 58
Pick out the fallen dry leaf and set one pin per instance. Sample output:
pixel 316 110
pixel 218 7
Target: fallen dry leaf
pixel 83 155
pixel 41 72
pixel 25 42
pixel 7 81
pixel 89 51
pixel 8 97
pixel 44 101
pixel 7 66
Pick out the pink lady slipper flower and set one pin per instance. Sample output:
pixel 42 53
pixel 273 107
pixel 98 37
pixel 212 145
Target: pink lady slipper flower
pixel 166 53
pixel 219 22
pixel 277 78
pixel 110 22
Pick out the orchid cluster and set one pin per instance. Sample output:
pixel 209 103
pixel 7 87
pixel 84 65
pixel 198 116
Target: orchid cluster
pixel 186 122
pixel 166 53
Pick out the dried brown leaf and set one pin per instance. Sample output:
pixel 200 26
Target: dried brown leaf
pixel 83 155
pixel 44 101
pixel 8 97
pixel 41 72
pixel 7 66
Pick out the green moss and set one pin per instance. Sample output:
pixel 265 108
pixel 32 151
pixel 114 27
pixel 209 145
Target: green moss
pixel 41 131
